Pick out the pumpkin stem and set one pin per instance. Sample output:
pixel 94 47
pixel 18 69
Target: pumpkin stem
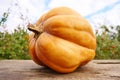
pixel 34 29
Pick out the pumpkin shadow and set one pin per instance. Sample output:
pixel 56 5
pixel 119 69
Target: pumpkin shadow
pixel 80 72
pixel 50 71
pixel 45 70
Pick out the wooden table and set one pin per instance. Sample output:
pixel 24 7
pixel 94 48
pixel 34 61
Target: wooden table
pixel 28 70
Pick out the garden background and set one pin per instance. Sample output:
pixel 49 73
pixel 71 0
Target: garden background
pixel 14 45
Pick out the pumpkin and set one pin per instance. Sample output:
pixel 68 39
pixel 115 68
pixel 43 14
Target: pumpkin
pixel 62 40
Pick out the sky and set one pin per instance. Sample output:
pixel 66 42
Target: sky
pixel 97 12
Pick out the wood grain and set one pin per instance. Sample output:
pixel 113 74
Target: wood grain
pixel 28 70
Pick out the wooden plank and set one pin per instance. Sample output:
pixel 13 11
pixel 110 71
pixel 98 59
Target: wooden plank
pixel 28 70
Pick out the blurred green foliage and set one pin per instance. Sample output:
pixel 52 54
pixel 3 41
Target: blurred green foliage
pixel 14 45
pixel 108 42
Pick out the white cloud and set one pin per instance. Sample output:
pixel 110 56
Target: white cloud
pixel 33 9
pixel 84 7
pixel 81 6
pixel 110 17
pixel 4 5
pixel 30 9
pixel 113 15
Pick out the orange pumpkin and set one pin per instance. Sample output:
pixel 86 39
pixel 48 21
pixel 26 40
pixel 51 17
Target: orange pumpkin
pixel 62 40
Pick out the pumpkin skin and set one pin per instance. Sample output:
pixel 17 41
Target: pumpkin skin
pixel 62 40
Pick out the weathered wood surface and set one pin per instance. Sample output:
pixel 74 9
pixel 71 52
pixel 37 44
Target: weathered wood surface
pixel 28 70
